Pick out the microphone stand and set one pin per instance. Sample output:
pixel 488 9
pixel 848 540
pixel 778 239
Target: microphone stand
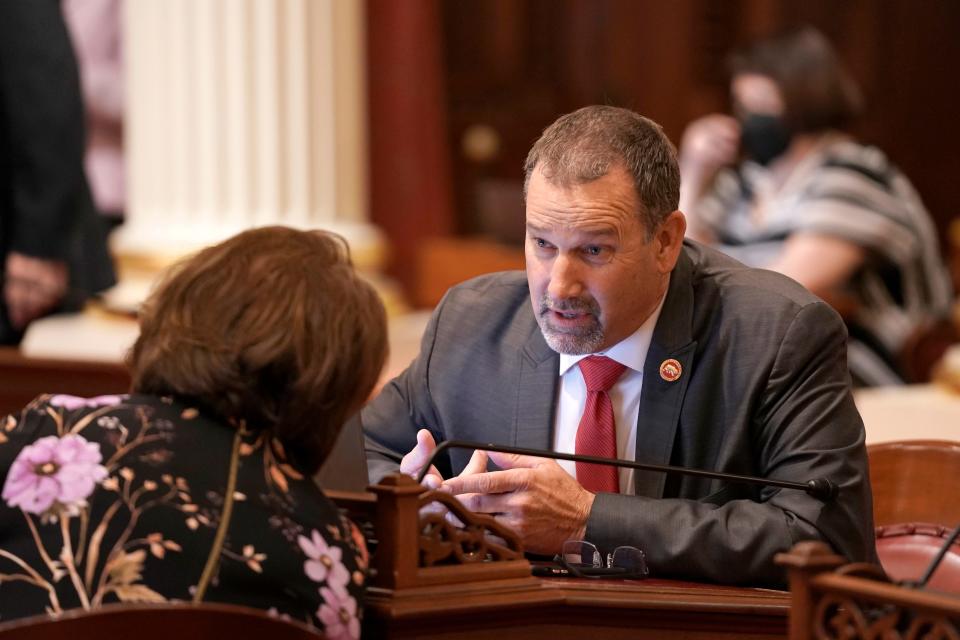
pixel 819 488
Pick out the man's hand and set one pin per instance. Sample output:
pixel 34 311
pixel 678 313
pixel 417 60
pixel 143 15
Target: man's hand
pixel 414 461
pixel 32 286
pixel 710 143
pixel 533 496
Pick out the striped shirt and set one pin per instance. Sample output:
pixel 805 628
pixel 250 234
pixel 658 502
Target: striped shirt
pixel 851 192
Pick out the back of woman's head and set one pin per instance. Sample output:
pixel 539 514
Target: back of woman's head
pixel 818 91
pixel 273 327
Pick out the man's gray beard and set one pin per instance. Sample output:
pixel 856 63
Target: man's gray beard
pixel 567 343
pixel 572 345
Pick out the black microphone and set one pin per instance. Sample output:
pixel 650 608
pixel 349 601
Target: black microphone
pixel 820 488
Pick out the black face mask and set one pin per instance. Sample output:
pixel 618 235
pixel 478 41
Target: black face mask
pixel 764 137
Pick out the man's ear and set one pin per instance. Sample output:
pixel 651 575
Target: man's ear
pixel 669 240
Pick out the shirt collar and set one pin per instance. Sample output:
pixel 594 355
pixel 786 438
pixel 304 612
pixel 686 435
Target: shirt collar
pixel 630 352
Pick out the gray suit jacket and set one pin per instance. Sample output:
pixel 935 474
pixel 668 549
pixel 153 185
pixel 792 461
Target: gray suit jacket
pixel 764 391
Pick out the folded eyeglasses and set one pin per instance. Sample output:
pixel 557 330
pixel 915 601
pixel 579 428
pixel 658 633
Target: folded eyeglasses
pixel 582 559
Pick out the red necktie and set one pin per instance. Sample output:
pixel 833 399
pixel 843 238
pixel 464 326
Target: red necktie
pixel 597 434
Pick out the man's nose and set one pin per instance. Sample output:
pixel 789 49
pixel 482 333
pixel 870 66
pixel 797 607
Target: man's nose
pixel 565 281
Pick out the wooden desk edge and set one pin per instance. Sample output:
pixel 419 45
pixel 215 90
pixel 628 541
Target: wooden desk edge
pixel 520 593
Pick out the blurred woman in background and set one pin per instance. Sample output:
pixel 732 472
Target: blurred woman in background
pixel 197 486
pixel 777 185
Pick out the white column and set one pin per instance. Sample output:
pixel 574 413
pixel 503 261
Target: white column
pixel 244 113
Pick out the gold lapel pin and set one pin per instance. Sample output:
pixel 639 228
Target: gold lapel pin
pixel 670 370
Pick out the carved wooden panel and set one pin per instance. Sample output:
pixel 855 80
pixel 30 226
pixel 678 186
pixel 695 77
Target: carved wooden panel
pixel 831 601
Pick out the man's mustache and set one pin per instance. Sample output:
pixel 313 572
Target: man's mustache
pixel 569 305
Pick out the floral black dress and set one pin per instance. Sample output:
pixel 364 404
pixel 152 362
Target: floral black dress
pixel 146 499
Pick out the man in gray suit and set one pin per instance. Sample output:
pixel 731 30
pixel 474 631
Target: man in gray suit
pixel 715 366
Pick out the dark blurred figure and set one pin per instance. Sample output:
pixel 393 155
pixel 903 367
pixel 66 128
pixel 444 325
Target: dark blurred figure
pixel 52 243
pixel 777 185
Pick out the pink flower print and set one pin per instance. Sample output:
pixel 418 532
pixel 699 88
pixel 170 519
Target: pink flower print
pixel 54 473
pixel 323 562
pixel 338 613
pixel 73 402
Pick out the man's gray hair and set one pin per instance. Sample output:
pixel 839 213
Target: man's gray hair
pixel 585 145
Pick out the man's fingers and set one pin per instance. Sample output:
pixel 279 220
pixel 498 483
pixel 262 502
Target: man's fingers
pixel 424 448
pixel 24 304
pixel 490 482
pixel 492 503
pixel 432 480
pixel 515 460
pixel 477 464
pixel 413 462
pixel 497 540
pixel 33 286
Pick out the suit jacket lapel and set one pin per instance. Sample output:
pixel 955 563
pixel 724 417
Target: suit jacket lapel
pixel 536 393
pixel 661 400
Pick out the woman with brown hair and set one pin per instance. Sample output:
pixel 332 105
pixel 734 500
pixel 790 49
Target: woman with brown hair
pixel 197 486
pixel 778 185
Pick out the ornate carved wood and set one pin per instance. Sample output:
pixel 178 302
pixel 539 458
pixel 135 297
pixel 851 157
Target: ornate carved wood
pixel 419 545
pixel 451 534
pixel 833 602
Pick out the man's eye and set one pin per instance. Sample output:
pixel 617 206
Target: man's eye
pixel 597 254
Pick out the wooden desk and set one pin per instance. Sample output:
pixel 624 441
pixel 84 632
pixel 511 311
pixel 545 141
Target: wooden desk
pixel 433 581
pixel 22 378
pixel 561 608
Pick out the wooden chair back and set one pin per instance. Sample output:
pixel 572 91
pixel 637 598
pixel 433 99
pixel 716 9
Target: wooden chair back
pixel 915 481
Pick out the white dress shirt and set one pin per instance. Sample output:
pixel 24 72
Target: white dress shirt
pixel 625 396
